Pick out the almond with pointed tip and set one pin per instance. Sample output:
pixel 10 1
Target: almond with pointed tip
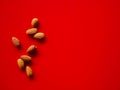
pixel 39 35
pixel 16 41
pixel 34 22
pixel 31 49
pixel 20 63
pixel 26 58
pixel 31 31
pixel 29 71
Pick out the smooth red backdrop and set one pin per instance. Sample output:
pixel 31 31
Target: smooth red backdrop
pixel 81 51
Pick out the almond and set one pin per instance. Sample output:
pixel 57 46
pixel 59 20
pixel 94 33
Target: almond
pixel 29 71
pixel 15 41
pixel 31 49
pixel 26 58
pixel 31 31
pixel 34 22
pixel 20 63
pixel 39 35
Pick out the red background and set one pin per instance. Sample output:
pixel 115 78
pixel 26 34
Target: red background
pixel 81 51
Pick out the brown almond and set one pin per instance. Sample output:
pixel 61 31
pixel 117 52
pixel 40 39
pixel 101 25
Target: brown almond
pixel 39 35
pixel 34 22
pixel 20 63
pixel 31 49
pixel 16 41
pixel 29 71
pixel 31 31
pixel 26 58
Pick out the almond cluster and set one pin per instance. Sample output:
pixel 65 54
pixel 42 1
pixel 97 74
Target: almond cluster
pixel 25 60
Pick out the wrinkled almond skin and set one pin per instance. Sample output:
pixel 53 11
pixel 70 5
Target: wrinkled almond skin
pixel 26 58
pixel 15 41
pixel 20 63
pixel 31 31
pixel 31 49
pixel 29 71
pixel 34 22
pixel 39 35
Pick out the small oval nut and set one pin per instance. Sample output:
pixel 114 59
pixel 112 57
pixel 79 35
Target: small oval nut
pixel 39 35
pixel 35 22
pixel 31 31
pixel 31 49
pixel 16 41
pixel 26 58
pixel 20 63
pixel 29 71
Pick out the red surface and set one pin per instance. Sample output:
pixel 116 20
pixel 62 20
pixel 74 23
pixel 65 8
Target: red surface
pixel 82 48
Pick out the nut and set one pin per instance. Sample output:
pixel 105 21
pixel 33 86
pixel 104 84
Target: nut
pixel 29 71
pixel 31 31
pixel 34 22
pixel 20 63
pixel 16 41
pixel 26 58
pixel 31 49
pixel 39 35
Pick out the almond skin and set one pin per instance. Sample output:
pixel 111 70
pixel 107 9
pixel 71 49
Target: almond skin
pixel 26 58
pixel 31 31
pixel 29 71
pixel 20 63
pixel 31 49
pixel 16 41
pixel 39 35
pixel 34 22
